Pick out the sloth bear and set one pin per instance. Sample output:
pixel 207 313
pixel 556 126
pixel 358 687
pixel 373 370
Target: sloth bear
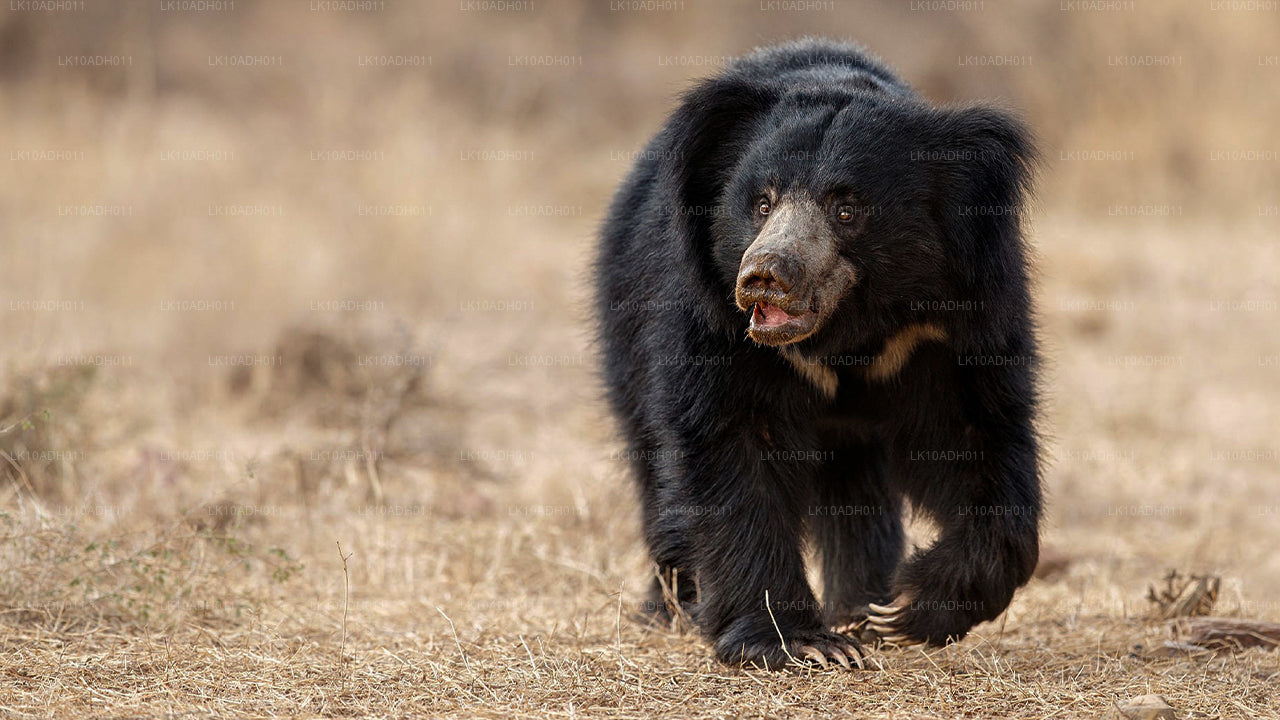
pixel 813 307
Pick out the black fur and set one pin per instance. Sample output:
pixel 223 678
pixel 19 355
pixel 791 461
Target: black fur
pixel 739 458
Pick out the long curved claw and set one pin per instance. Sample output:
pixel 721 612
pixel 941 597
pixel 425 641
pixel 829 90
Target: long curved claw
pixel 901 641
pixel 884 628
pixel 840 658
pixel 816 655
pixel 854 653
pixel 884 621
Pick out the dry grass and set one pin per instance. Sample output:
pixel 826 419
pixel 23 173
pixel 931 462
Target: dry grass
pixel 168 526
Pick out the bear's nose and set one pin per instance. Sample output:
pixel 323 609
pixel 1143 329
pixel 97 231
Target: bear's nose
pixel 768 273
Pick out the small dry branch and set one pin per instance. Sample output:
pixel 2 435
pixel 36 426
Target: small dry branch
pixel 1227 633
pixel 1184 596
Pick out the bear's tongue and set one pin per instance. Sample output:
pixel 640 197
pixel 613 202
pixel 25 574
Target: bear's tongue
pixel 767 315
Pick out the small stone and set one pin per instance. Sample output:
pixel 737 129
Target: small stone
pixel 1143 707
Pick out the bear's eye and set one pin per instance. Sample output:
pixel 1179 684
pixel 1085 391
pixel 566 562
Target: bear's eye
pixel 845 213
pixel 763 206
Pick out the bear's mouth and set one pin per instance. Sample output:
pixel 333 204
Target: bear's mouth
pixel 772 325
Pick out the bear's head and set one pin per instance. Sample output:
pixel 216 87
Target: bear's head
pixel 840 217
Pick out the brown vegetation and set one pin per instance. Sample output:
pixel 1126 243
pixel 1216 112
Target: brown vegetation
pixel 409 289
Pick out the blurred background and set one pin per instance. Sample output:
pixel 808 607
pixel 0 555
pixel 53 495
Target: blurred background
pixel 314 269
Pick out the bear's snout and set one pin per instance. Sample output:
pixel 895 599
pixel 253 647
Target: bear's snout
pixel 772 279
pixel 768 273
pixel 771 289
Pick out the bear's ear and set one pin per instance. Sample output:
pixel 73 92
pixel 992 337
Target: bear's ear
pixel 705 138
pixel 984 167
pixel 701 144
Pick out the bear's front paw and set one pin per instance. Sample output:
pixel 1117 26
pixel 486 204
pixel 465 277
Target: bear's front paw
pixel 821 648
pixel 891 623
pixel 939 596
pixel 906 622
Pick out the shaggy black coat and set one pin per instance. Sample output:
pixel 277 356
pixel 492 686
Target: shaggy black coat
pixel 920 385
